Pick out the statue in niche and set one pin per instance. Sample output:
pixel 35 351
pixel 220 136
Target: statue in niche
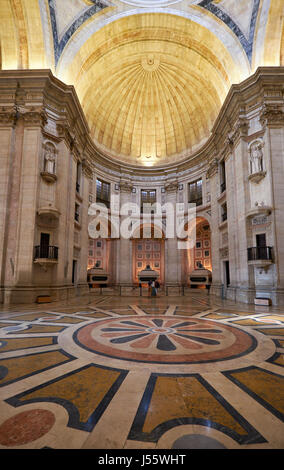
pixel 256 157
pixel 49 158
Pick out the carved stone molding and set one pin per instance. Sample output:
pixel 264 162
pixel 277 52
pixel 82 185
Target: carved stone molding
pixel 87 169
pixel 213 168
pixel 8 115
pixel 171 187
pixel 257 177
pixel 224 252
pixel 125 186
pixel 48 177
pixel 33 116
pixel 272 115
pixel 239 131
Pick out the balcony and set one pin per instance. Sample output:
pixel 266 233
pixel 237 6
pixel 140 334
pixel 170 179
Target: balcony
pixel 260 256
pixel 46 255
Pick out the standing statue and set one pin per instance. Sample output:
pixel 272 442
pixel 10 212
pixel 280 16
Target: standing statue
pixel 256 157
pixel 49 158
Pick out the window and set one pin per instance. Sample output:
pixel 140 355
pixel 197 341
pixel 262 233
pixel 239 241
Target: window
pixel 195 192
pixel 260 240
pixel 77 212
pixel 78 176
pixel 222 177
pixel 148 196
pixel 224 212
pixel 103 192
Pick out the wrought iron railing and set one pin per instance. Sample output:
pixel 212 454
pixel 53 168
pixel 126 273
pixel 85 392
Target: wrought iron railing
pixel 257 253
pixel 46 251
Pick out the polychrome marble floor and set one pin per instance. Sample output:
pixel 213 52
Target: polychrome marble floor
pixel 142 373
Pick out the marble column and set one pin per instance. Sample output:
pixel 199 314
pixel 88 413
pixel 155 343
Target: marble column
pixel 124 258
pixel 173 255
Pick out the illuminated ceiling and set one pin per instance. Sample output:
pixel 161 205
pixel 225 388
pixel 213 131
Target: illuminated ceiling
pixel 151 75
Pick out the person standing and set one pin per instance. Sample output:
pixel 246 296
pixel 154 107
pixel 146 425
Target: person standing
pixel 149 288
pixel 153 292
pixel 157 286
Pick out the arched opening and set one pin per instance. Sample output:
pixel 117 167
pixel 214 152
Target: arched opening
pixel 148 250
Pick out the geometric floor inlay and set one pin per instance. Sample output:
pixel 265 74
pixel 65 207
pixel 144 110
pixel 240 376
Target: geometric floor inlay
pixel 158 339
pixel 130 373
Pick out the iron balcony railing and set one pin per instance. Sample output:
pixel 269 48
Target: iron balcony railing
pixel 46 252
pixel 259 253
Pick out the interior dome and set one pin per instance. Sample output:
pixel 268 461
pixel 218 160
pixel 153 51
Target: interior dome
pixel 151 86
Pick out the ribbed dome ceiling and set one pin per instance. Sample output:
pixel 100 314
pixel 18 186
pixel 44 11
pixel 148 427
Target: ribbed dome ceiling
pixel 151 87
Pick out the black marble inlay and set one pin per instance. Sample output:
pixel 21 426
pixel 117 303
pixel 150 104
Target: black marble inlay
pixel 165 344
pixel 60 43
pixel 126 339
pixel 247 43
pixel 3 372
pixel 211 342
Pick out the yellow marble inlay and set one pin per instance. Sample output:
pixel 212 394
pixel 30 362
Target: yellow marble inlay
pixel 249 322
pixel 41 329
pixel 279 360
pixel 31 316
pixel 273 331
pixel 269 387
pixel 22 343
pixel 21 366
pixel 217 316
pixel 85 389
pixel 186 397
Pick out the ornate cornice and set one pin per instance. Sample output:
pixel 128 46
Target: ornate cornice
pixel 66 120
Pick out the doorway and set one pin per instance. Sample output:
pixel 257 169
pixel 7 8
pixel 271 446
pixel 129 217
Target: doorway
pixel 74 271
pixel 44 245
pixel 227 273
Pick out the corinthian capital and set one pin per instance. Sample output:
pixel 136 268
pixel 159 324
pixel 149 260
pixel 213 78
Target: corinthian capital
pixel 171 186
pixel 33 116
pixel 125 186
pixel 272 115
pixel 8 115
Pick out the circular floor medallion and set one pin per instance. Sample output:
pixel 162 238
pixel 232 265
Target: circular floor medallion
pixel 164 340
pixel 26 427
